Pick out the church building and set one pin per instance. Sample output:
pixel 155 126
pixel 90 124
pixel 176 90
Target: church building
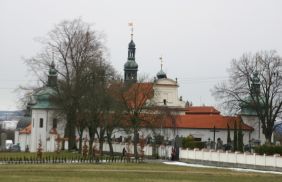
pixel 202 122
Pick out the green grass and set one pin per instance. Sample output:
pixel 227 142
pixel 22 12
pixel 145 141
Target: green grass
pixel 34 154
pixel 126 173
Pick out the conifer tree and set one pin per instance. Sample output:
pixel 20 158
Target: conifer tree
pixel 228 135
pixel 240 138
pixel 235 139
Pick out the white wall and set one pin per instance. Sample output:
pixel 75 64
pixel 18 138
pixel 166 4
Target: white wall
pixel 43 133
pixel 17 136
pixel 167 89
pixel 24 140
pixel 204 134
pixel 236 158
pixel 253 121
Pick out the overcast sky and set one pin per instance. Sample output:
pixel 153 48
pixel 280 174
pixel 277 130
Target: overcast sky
pixel 197 39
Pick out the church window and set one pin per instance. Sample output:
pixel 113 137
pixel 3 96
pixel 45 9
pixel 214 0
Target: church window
pixel 55 123
pixel 165 102
pixel 41 123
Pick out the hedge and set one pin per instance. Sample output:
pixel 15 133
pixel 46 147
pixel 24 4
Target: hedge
pixel 268 149
pixel 189 142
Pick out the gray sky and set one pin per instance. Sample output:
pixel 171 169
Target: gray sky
pixel 197 39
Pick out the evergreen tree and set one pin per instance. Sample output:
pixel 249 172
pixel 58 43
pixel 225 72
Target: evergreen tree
pixel 228 135
pixel 240 137
pixel 235 139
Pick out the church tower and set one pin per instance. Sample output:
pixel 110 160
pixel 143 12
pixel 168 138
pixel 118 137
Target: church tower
pixel 52 77
pixel 255 85
pixel 161 74
pixel 131 67
pixel 43 117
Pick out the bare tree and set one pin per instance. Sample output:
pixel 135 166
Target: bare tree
pixel 138 108
pixel 97 101
pixel 255 82
pixel 73 45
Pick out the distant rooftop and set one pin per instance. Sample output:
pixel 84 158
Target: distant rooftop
pixel 202 110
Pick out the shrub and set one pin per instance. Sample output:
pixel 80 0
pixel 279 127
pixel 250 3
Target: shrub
pixel 268 149
pixel 190 143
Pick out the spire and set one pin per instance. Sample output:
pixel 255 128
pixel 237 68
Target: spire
pixel 52 77
pixel 131 45
pixel 255 84
pixel 161 74
pixel 131 25
pixel 161 58
pixel 131 67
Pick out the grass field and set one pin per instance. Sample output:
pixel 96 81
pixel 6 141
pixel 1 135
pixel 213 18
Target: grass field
pixel 34 154
pixel 126 173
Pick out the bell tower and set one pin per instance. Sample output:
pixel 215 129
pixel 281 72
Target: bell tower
pixel 255 85
pixel 131 67
pixel 52 77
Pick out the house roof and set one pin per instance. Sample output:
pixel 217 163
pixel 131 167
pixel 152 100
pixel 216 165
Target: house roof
pixel 134 95
pixel 206 122
pixel 26 130
pixel 23 122
pixel 201 110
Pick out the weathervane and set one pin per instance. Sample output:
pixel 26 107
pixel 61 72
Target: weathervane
pixel 131 25
pixel 161 58
pixel 52 55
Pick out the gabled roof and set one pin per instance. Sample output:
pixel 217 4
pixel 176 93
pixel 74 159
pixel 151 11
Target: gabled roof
pixel 26 130
pixel 201 110
pixel 23 122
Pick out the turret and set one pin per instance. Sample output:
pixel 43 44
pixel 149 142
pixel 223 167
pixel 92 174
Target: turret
pixel 161 74
pixel 255 85
pixel 52 77
pixel 131 67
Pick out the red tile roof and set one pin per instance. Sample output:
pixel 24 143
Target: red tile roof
pixel 137 94
pixel 201 110
pixel 26 130
pixel 206 122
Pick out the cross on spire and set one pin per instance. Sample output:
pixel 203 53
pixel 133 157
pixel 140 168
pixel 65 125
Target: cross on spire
pixel 161 58
pixel 131 25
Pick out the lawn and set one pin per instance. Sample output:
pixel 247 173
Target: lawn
pixel 34 154
pixel 125 172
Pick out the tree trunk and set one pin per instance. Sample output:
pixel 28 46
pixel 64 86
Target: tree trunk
pixel 135 142
pixel 109 138
pixel 268 137
pixel 91 140
pixel 71 132
pixel 80 141
pixel 111 147
pixel 101 144
pixel 101 139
